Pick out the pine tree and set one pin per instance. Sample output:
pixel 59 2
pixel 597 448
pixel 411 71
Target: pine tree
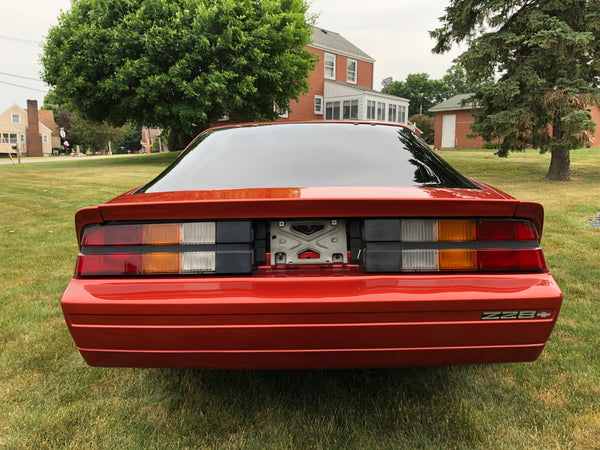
pixel 538 62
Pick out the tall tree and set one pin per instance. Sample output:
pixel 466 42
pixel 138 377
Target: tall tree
pixel 132 139
pixel 456 81
pixel 539 64
pixel 179 64
pixel 93 135
pixel 422 91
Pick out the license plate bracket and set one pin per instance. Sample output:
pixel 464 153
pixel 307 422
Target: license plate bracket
pixel 320 241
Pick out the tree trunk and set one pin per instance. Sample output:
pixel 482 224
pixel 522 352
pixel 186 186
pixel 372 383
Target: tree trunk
pixel 560 165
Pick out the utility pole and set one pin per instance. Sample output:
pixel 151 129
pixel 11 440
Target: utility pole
pixel 16 147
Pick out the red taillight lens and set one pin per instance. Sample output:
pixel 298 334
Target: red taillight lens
pixel 506 230
pixel 511 260
pixel 113 264
pixel 99 236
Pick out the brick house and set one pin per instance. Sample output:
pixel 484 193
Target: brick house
pixel 453 121
pixel 33 131
pixel 341 86
pixel 149 135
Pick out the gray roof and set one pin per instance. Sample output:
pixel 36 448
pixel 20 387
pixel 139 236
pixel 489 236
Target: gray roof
pixel 329 40
pixel 358 87
pixel 455 103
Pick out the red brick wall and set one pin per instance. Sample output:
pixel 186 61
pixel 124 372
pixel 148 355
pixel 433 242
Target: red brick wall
pixel 595 111
pixel 34 140
pixel 464 119
pixel 365 74
pixel 304 109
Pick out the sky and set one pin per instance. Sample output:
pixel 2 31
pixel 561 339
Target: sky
pixel 394 33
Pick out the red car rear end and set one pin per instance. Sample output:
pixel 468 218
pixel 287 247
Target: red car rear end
pixel 316 266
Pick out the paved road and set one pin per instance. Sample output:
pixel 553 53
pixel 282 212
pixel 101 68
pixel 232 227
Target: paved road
pixel 60 158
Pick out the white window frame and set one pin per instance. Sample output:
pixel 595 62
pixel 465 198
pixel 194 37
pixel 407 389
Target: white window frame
pixel 392 112
pixel 319 104
pixel 402 114
pixel 17 116
pixel 351 79
pixel 380 112
pixel 45 138
pixel 371 109
pixel 350 109
pixel 332 67
pixel 333 105
pixel 8 138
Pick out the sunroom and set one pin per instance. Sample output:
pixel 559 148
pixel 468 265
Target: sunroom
pixel 351 102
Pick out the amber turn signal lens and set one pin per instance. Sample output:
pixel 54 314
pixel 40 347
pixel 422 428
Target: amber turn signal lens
pixel 456 230
pixel 458 259
pixel 161 263
pixel 161 234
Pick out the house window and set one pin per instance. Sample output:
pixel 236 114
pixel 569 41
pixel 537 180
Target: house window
pixel 380 111
pixel 370 110
pixel 351 68
pixel 15 118
pixel 318 104
pixel 402 114
pixel 350 109
pixel 332 111
pixel 45 138
pixel 22 138
pixel 330 66
pixel 8 138
pixel 392 113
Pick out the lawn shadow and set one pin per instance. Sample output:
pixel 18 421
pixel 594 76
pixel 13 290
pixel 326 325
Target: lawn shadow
pixel 339 408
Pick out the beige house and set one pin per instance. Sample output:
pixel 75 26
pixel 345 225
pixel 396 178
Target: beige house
pixel 16 125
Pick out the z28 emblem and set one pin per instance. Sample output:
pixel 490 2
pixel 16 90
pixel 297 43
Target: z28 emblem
pixel 514 315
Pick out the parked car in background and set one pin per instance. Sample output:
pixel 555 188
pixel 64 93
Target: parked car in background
pixel 310 245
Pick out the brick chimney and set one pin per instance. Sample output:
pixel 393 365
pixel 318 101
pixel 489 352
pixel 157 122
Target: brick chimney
pixel 34 139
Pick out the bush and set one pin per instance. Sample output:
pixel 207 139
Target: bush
pixel 425 124
pixel 490 145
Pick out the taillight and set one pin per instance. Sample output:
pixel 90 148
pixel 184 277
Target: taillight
pixel 223 247
pixel 451 245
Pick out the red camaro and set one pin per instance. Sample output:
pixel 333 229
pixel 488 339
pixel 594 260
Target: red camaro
pixel 310 245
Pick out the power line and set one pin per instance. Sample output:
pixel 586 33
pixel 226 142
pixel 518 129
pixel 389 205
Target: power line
pixel 20 40
pixel 25 87
pixel 21 76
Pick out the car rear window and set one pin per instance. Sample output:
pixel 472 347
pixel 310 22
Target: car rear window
pixel 307 155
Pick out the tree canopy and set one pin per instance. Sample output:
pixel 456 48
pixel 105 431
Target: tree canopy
pixel 419 89
pixel 179 64
pixel 538 62
pixel 424 92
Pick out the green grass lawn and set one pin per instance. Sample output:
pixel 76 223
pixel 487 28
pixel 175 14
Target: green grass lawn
pixel 50 398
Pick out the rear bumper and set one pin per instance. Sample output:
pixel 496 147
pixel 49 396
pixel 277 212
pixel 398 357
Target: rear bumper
pixel 313 320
